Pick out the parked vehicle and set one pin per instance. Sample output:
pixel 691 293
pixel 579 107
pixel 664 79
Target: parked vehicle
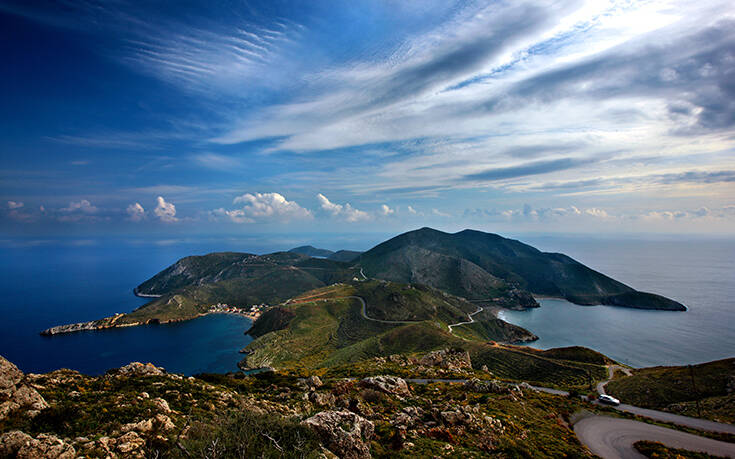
pixel 608 400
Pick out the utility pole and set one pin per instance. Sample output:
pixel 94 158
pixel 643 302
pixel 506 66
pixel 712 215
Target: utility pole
pixel 694 389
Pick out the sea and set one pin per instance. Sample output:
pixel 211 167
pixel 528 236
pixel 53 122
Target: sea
pixel 53 282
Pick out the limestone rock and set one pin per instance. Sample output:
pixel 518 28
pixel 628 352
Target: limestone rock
pixel 388 384
pixel 450 359
pixel 129 442
pixel 343 432
pixel 11 442
pixel 15 394
pixel 161 405
pixel 138 369
pixel 10 375
pixel 45 446
pixel 408 417
pixel 321 399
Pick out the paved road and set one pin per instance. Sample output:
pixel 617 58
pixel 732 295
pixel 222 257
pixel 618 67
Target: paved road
pixel 610 372
pixel 365 316
pixel 471 321
pixel 612 438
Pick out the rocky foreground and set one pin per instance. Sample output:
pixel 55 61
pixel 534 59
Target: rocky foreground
pixel 140 410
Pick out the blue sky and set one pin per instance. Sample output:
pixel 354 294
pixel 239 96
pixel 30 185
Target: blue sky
pixel 378 116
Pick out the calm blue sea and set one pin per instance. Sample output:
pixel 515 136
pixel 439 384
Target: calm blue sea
pixel 697 273
pixel 46 283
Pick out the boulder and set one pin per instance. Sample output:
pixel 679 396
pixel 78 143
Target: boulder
pixel 450 359
pixel 46 446
pixel 10 375
pixel 15 394
pixel 11 442
pixel 388 384
pixel 129 442
pixel 408 417
pixel 321 399
pixel 161 405
pixel 343 432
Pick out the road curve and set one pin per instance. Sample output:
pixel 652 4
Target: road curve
pixel 610 372
pixel 365 316
pixel 471 321
pixel 613 438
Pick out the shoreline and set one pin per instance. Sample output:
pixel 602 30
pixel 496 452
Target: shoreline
pixel 109 322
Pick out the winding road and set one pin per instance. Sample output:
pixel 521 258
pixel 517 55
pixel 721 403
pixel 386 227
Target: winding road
pixel 610 373
pixel 366 317
pixel 613 438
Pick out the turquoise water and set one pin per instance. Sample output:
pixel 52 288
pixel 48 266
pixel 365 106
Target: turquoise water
pixel 700 274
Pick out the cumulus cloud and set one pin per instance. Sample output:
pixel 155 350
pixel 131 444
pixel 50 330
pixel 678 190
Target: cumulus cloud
pixel 385 210
pixel 439 213
pixel 595 212
pixel 14 205
pixel 411 210
pixel 165 211
pixel 345 212
pixel 135 212
pixel 263 207
pixel 83 206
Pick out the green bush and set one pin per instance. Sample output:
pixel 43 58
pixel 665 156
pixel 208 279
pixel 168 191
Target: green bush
pixel 244 434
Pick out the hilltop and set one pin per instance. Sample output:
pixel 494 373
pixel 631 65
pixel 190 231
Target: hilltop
pixel 483 268
pixel 487 266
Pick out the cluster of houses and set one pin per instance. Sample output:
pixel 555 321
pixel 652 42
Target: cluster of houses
pixel 252 312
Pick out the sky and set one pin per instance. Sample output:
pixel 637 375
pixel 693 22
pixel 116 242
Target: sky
pixel 249 117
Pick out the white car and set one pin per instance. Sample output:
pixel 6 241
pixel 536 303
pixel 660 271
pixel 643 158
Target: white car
pixel 609 400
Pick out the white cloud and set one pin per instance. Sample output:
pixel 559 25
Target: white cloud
pixel 595 212
pixel 411 210
pixel 14 205
pixel 165 211
pixel 263 207
pixel 83 206
pixel 135 212
pixel 385 210
pixel 439 213
pixel 345 212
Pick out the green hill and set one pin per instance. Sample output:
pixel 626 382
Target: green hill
pixel 677 389
pixel 344 255
pixel 312 251
pixel 326 327
pixel 480 265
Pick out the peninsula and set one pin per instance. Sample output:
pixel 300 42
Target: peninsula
pixel 483 269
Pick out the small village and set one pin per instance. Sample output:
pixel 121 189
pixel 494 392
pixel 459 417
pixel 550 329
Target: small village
pixel 252 312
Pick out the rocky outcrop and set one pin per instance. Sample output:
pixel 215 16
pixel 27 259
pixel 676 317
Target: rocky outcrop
pixel 15 394
pixel 344 433
pixel 388 384
pixel 138 369
pixel 451 359
pixel 23 446
pixel 408 417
